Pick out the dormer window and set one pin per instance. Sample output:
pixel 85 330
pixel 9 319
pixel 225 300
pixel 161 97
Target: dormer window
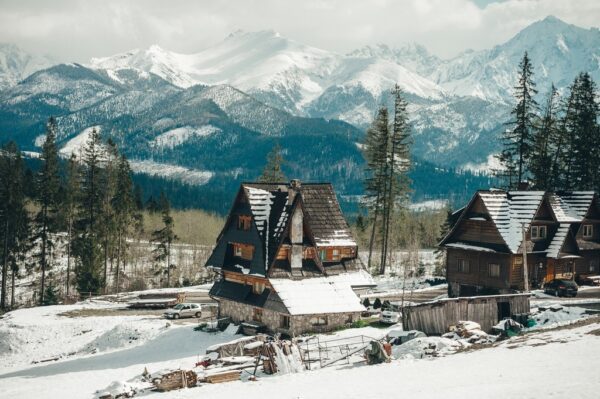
pixel 244 222
pixel 588 230
pixel 538 232
pixel 243 251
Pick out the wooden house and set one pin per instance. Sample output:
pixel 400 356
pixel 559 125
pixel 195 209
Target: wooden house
pixel 287 260
pixel 558 231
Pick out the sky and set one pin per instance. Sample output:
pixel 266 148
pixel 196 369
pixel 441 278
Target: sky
pixel 76 30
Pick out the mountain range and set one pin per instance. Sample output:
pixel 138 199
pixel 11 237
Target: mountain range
pixel 220 110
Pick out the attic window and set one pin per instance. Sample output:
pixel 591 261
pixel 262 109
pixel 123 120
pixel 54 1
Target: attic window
pixel 463 265
pixel 538 232
pixel 243 251
pixel 494 270
pixel 588 230
pixel 244 222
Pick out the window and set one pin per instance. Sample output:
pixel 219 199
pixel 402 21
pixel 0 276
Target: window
pixel 244 222
pixel 335 254
pixel 243 251
pixel 319 321
pixel 285 321
pixel 330 254
pixel 257 314
pixel 538 232
pixel 594 266
pixel 494 270
pixel 463 266
pixel 258 287
pixel 588 230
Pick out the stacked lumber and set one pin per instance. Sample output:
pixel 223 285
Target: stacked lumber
pixel 226 376
pixel 176 380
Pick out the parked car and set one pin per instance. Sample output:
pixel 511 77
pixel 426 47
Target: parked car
pixel 561 287
pixel 184 310
pixel 390 313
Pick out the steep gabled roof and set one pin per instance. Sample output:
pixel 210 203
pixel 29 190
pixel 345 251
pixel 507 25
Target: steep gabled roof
pixel 558 240
pixel 570 207
pixel 511 212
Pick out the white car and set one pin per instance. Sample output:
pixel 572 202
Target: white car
pixel 182 310
pixel 389 317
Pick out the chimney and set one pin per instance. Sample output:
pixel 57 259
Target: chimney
pixel 293 188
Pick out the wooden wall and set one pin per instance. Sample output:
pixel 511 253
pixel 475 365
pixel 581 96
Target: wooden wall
pixel 478 268
pixel 436 317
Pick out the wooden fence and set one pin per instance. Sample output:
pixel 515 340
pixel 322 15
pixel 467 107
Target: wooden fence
pixel 434 318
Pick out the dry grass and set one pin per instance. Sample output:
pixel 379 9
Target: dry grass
pixel 191 226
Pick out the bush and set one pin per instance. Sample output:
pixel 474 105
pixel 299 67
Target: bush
pixel 359 323
pixel 50 295
pixel 366 303
pixel 377 303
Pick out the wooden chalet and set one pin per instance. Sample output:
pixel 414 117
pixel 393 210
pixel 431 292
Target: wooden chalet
pixel 485 245
pixel 288 260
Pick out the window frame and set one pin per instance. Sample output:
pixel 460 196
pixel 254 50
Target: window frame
pixel 534 232
pixel 542 232
pixel 244 222
pixel 238 250
pixel 588 230
pixel 462 265
pixel 317 321
pixel 257 314
pixel 491 267
pixel 285 321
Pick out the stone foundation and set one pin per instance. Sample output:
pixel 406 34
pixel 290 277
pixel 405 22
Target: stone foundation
pixel 301 324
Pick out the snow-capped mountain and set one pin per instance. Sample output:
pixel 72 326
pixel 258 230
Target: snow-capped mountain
pixel 16 64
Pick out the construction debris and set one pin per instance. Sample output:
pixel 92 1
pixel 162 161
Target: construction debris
pixel 175 380
pixel 226 376
pixel 469 331
pixel 377 353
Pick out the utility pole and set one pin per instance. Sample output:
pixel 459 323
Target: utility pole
pixel 525 271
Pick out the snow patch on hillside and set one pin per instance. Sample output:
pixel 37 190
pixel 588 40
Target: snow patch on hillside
pixel 180 135
pixel 190 176
pixel 77 143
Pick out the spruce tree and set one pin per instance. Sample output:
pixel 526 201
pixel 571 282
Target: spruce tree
pixel 375 153
pixel 398 160
pixel 440 252
pixel 272 173
pixel 544 142
pixel 48 187
pixel 164 238
pixel 14 232
pixel 107 223
pixel 125 209
pixel 518 140
pixel 87 246
pixel 69 211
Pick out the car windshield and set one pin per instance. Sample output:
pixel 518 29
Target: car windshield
pixel 179 307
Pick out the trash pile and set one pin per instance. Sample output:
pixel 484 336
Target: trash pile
pixel 553 315
pixel 469 332
pixel 508 328
pixel 427 347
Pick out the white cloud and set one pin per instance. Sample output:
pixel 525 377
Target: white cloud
pixel 75 30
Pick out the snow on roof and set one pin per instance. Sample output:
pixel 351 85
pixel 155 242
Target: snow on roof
pixel 260 203
pixel 461 245
pixel 558 241
pixel 338 238
pixel 571 206
pixel 511 211
pixel 359 278
pixel 317 295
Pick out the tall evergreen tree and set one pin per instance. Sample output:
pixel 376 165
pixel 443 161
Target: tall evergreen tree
pixel 13 216
pixel 375 153
pixel 543 145
pixel 398 160
pixel 69 209
pixel 164 238
pixel 272 173
pixel 107 223
pixel 125 209
pixel 586 142
pixel 48 187
pixel 87 246
pixel 518 140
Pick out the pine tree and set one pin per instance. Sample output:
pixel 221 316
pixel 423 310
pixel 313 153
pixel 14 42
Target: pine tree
pixel 375 153
pixel 87 244
pixel 543 145
pixel 397 180
pixel 125 208
pixel 164 238
pixel 107 223
pixel 48 187
pixel 518 141
pixel 272 173
pixel 14 232
pixel 50 295
pixel 440 252
pixel 586 164
pixel 69 211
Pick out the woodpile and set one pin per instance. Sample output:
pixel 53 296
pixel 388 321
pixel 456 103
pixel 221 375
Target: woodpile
pixel 233 375
pixel 280 356
pixel 176 380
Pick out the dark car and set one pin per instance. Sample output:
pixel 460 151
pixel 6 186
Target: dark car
pixel 561 287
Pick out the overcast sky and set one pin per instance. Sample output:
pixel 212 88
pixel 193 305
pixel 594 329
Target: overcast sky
pixel 76 30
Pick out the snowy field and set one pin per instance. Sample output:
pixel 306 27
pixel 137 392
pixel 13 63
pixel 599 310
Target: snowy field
pixel 76 351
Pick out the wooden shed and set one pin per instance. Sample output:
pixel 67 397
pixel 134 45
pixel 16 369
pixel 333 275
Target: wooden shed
pixel 434 318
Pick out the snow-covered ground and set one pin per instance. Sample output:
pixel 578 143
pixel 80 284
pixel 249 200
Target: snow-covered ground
pixel 96 350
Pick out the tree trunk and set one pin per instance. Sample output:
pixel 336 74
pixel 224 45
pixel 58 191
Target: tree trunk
pixel 4 267
pixel 118 263
pixel 372 240
pixel 43 254
pixel 12 290
pixel 69 237
pixel 168 264
pixel 105 265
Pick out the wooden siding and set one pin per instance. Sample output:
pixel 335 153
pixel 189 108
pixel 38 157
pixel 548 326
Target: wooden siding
pixel 478 268
pixel 435 318
pixel 477 231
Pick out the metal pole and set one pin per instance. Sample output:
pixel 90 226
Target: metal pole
pixel 525 268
